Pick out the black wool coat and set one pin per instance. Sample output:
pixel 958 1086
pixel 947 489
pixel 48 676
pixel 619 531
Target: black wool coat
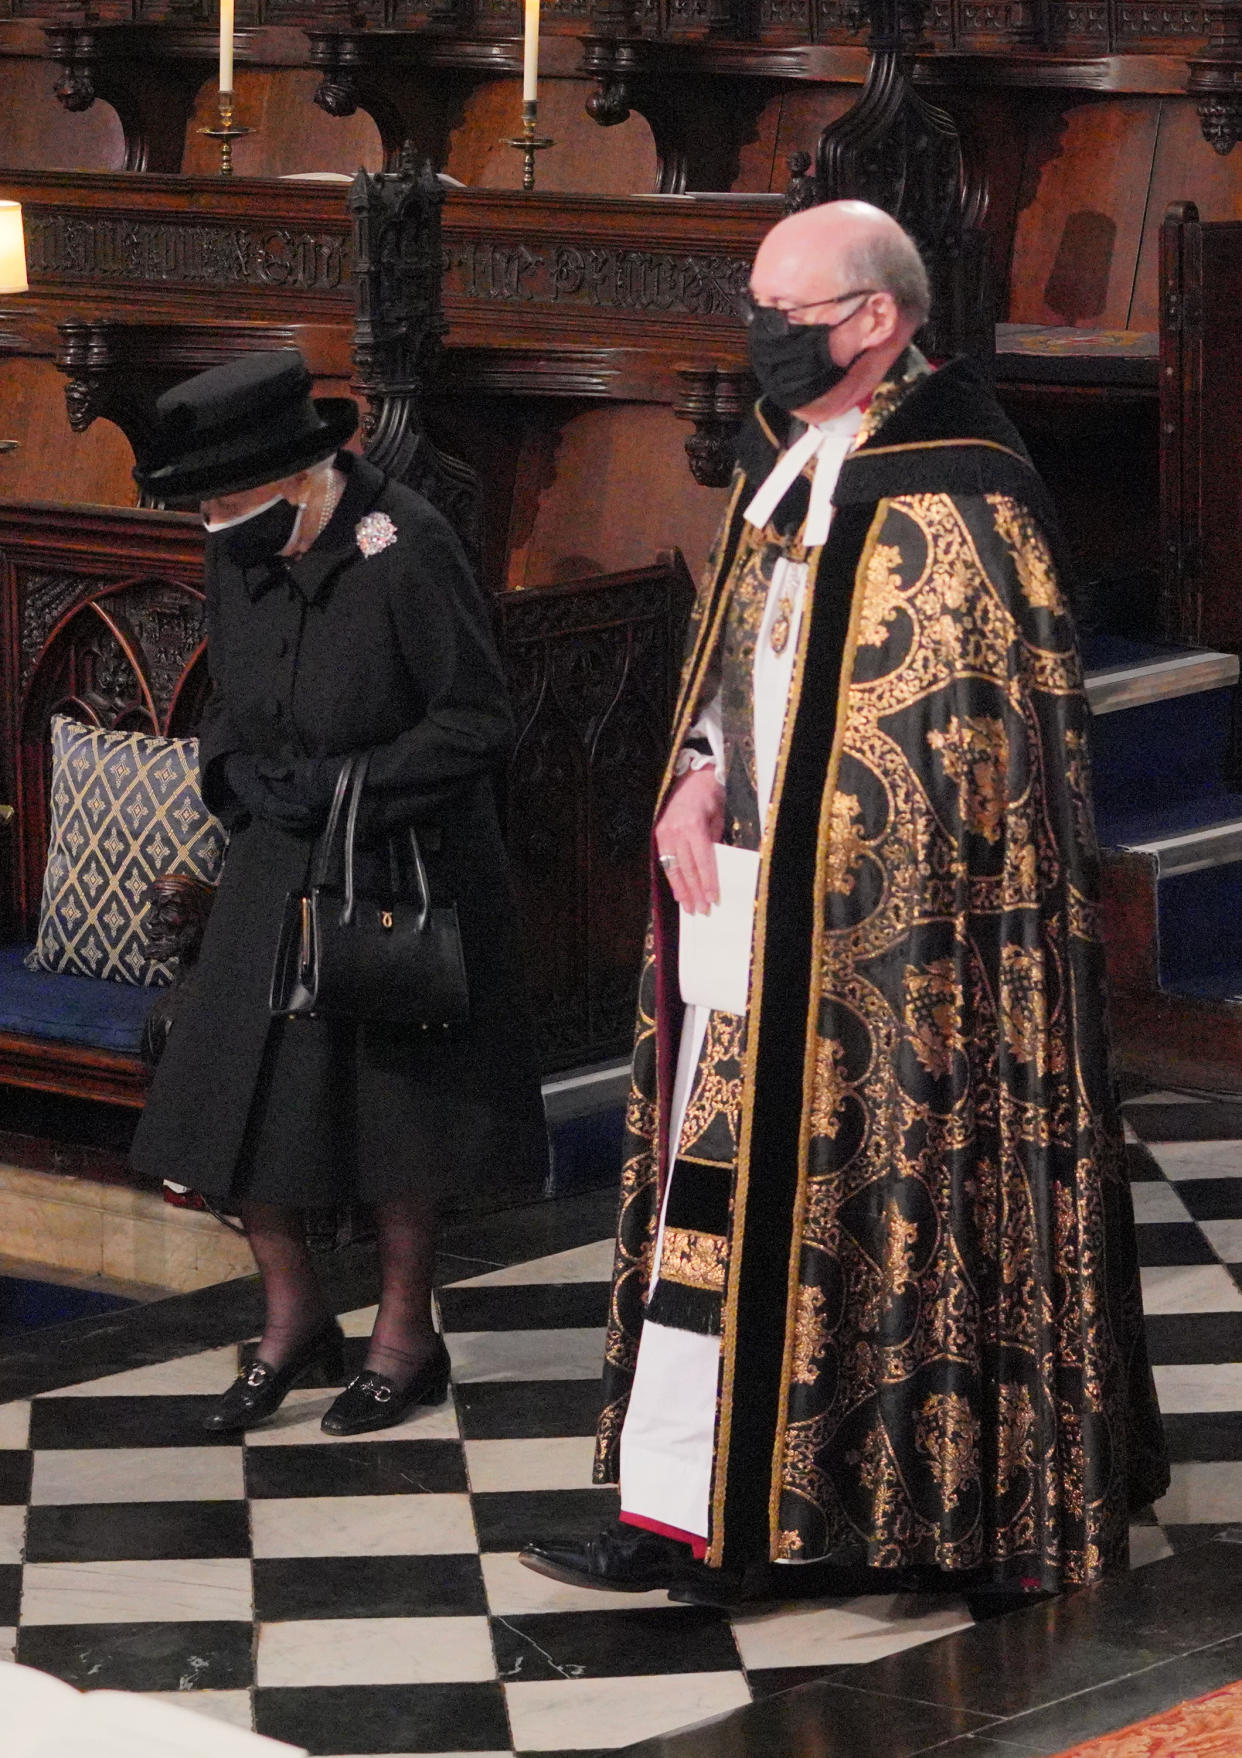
pixel 334 653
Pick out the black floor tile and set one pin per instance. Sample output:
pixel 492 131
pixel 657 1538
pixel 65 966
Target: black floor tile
pixel 1142 1166
pixel 1213 1199
pixel 1207 1434
pixel 1212 1120
pixel 1191 1537
pixel 1078 1642
pixel 1172 1242
pixel 614 1644
pixel 10 1593
pixel 977 1746
pixel 1092 1713
pixel 528 1409
pixel 516 1235
pixel 123 1422
pixel 508 1519
pixel 766 1681
pixel 14 1477
pixel 1178 1338
pixel 386 1718
pixel 142 1657
pixel 289 1588
pixel 820 1721
pixel 369 1468
pixel 537 1306
pixel 108 1532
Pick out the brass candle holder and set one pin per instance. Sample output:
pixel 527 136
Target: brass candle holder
pixel 226 133
pixel 528 142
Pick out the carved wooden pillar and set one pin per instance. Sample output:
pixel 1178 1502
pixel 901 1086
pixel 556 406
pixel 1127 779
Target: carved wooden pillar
pixel 1216 76
pixel 894 149
pixel 398 266
pixel 717 400
pixel 413 84
pixel 151 77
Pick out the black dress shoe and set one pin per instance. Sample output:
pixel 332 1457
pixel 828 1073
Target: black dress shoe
pixel 623 1559
pixel 259 1389
pixel 371 1400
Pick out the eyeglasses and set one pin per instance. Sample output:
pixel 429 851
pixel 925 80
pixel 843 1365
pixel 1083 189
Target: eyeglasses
pixel 748 308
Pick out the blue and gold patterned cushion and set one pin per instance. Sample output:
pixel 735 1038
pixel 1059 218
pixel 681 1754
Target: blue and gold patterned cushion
pixel 125 809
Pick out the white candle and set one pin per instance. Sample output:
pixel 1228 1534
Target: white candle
pixel 530 54
pixel 226 45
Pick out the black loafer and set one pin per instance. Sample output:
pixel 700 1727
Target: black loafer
pixel 372 1401
pixel 623 1559
pixel 260 1390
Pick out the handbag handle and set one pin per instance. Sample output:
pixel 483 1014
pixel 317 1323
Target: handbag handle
pixel 354 772
pixel 323 858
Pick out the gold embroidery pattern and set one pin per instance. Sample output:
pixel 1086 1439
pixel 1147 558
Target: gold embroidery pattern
pixel 882 595
pixel 946 1430
pixel 1024 1005
pixel 845 846
pixel 717 1094
pixel 697 1260
pixel 975 754
pixel 933 1015
pixel 831 1087
pixel 811 1339
pixel 1031 560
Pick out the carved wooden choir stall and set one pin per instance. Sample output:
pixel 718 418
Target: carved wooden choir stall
pixel 563 372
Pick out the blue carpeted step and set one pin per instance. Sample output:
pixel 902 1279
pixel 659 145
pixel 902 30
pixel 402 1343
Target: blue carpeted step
pixel 1200 929
pixel 1188 835
pixel 1161 727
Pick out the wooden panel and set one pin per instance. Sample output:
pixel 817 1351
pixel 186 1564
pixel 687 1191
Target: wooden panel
pixel 617 490
pixel 586 159
pixel 1080 218
pixel 41 136
pixel 1186 169
pixel 290 132
pixel 804 116
pixel 52 462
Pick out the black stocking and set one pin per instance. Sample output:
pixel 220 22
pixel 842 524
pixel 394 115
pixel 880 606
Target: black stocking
pixel 295 1307
pixel 404 1335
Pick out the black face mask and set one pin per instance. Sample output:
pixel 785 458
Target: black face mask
pixel 793 362
pixel 260 537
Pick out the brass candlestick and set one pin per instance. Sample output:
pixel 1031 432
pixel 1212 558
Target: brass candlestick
pixel 528 142
pixel 226 133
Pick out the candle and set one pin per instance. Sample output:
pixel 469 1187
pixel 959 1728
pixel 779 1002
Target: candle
pixel 12 249
pixel 226 45
pixel 530 54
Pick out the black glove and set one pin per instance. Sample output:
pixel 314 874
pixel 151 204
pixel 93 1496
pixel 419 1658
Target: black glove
pixel 260 785
pixel 309 782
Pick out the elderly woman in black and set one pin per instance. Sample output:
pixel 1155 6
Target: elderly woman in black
pixel 342 618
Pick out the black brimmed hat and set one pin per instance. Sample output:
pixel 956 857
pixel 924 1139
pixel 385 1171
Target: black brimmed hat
pixel 240 425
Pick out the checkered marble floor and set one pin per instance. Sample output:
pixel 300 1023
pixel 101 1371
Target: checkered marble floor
pixel 365 1597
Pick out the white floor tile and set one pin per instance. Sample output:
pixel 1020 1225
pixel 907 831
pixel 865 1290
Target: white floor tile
pixel 137 1592
pixel 561 1463
pixel 1157 1201
pixel 15 1423
pixel 1225 1239
pixel 1189 1288
pixel 375 1651
pixel 358 1323
pixel 513 1590
pixel 568 1713
pixel 584 1263
pixel 1183 1390
pixel 572 1354
pixel 1203 1492
pixel 845 1631
pixel 1198 1159
pixel 362 1526
pixel 137 1474
pixel 232 1707
pixel 12 1534
pixel 8 1644
pixel 210 1371
pixel 297 1422
pixel 1148 1545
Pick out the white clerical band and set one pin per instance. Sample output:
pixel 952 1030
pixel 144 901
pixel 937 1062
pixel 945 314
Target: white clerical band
pixel 827 446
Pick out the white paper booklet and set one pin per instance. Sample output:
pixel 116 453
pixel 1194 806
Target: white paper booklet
pixel 714 950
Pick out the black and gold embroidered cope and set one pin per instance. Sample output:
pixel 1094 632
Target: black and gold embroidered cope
pixel 913 1216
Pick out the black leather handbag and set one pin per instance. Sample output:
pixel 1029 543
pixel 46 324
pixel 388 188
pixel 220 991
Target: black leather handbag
pixel 341 956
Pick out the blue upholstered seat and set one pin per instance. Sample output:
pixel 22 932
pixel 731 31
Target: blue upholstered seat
pixel 70 1010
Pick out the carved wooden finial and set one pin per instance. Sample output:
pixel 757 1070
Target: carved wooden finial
pixel 1216 76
